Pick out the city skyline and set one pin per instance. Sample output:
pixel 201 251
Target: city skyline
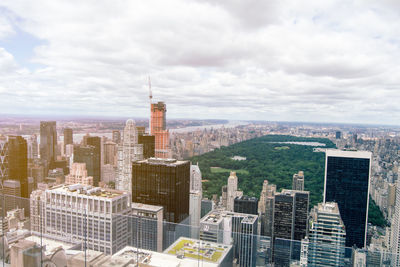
pixel 262 61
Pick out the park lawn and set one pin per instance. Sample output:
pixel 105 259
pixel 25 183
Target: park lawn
pixel 223 170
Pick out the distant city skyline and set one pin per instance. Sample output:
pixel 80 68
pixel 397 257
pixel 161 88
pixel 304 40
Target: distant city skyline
pixel 331 61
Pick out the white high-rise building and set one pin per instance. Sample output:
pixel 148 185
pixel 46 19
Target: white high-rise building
pixel 395 240
pixel 196 195
pixel 327 236
pixel 128 151
pixel 195 178
pixel 232 191
pixel 95 216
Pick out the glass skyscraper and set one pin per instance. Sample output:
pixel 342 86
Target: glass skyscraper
pixel 347 176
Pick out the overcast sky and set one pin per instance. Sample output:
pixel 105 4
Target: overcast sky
pixel 324 61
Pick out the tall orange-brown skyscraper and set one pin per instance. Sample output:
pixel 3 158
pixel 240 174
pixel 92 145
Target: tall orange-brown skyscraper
pixel 158 127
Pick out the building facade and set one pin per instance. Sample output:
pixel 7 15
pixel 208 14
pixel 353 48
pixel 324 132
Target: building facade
pixel 245 204
pixel 327 236
pixel 158 128
pixel 298 181
pixel 163 182
pixel 78 175
pixel 68 137
pixel 290 225
pixel 232 191
pixel 130 150
pixel 94 216
pixel 266 208
pixel 149 145
pixel 147 226
pixel 48 143
pixel 347 175
pixel 18 162
pixel 95 141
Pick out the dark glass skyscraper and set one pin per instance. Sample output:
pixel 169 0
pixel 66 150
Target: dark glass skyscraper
pixel 95 141
pixel 48 143
pixel 245 204
pixel 347 183
pixel 18 162
pixel 68 137
pixel 290 225
pixel 163 182
pixel 3 158
pixel 86 154
pixel 149 143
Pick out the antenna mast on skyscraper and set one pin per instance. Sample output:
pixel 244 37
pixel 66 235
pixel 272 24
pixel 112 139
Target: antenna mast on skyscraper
pixel 150 97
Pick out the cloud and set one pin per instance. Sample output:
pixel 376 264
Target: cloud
pixel 327 61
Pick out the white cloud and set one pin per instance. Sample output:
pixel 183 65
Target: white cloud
pixel 286 60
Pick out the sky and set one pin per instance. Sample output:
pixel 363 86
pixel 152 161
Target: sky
pixel 315 61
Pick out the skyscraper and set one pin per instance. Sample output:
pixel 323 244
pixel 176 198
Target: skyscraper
pixel 110 153
pixel 116 136
pixel 95 141
pixel 347 176
pixel 86 154
pixel 245 204
pixel 18 162
pixel 298 181
pixel 395 229
pixel 32 147
pixel 147 226
pixel 148 142
pixel 232 191
pixel 196 195
pixel 48 143
pixel 158 128
pixel 94 216
pixel 290 223
pixel 327 236
pixel 12 190
pixel 163 182
pixel 129 151
pixel 3 158
pixel 266 208
pixel 68 137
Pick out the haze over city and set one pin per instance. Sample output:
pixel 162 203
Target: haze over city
pixel 318 61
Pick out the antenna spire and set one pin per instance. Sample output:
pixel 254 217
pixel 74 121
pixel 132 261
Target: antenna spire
pixel 150 97
pixel 150 93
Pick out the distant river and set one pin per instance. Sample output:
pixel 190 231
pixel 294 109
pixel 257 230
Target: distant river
pixel 230 124
pixel 79 136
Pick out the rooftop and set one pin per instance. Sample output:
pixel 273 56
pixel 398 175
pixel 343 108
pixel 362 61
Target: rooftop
pixel 152 258
pixel 159 161
pixel 199 250
pixel 216 216
pixel 145 207
pixel 88 190
pixel 50 244
pixel 348 154
pixel 331 207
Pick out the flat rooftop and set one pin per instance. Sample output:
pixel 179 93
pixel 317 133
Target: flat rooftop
pixel 88 190
pixel 199 250
pixel 216 216
pixel 161 161
pixel 331 207
pixel 50 244
pixel 145 207
pixel 348 153
pixel 152 258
